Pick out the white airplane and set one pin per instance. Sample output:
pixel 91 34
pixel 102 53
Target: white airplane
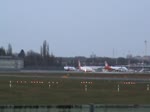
pixel 69 68
pixel 115 68
pixel 85 68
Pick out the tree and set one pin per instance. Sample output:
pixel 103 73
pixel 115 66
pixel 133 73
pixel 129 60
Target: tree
pixel 32 59
pixel 21 54
pixel 2 52
pixel 45 50
pixel 9 51
pixel 45 53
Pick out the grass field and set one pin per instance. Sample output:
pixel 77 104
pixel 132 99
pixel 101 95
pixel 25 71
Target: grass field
pixel 46 90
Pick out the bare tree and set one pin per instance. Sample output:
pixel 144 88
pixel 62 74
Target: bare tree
pixel 45 50
pixel 9 50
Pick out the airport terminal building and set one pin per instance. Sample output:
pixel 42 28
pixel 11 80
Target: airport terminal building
pixel 11 63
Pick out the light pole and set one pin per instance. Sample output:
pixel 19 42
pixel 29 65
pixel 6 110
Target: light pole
pixel 145 47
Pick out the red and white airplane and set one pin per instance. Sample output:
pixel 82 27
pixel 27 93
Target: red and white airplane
pixel 115 68
pixel 85 68
pixel 69 68
pixel 89 68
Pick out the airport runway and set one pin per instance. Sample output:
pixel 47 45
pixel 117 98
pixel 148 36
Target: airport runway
pixel 114 76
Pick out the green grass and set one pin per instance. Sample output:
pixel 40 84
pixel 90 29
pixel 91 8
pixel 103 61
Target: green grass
pixel 69 91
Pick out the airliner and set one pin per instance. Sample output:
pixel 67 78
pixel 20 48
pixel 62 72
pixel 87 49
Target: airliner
pixel 69 68
pixel 83 68
pixel 115 68
pixel 86 68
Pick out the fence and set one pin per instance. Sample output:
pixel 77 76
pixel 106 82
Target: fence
pixel 75 108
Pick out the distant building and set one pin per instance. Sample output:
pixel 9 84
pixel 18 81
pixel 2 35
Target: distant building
pixel 147 58
pixel 137 57
pixel 13 63
pixel 129 56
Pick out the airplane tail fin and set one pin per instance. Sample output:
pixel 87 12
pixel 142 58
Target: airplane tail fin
pixel 79 64
pixel 106 64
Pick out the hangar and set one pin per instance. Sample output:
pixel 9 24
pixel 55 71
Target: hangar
pixel 9 62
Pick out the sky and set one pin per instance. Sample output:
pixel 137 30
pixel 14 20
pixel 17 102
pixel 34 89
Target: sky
pixel 110 28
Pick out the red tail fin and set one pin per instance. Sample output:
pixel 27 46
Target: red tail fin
pixel 107 67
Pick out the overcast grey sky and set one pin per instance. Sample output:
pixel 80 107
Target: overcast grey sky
pixel 76 27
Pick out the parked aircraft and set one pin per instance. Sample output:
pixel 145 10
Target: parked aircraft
pixel 85 68
pixel 115 68
pixel 69 68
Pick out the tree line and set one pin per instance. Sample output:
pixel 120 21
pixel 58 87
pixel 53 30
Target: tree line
pixel 46 59
pixel 32 58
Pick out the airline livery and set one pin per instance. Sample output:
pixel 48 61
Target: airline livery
pixel 115 68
